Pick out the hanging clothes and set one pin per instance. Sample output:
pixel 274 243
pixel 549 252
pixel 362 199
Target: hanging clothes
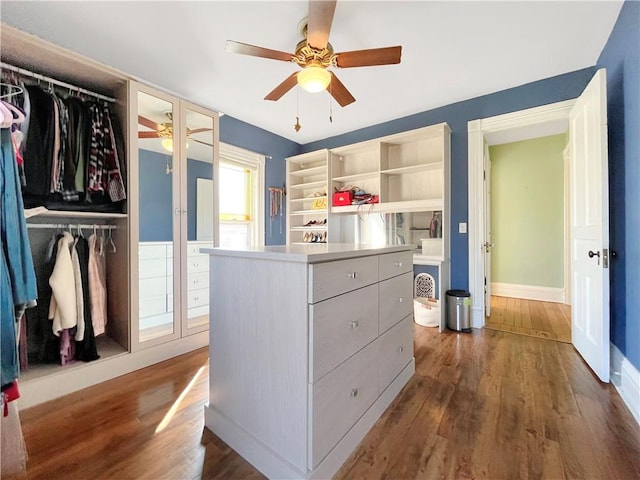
pixel 63 307
pixel 17 274
pixel 86 350
pixel 97 284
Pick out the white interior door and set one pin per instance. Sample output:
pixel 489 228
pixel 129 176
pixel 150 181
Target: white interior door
pixel 590 226
pixel 487 228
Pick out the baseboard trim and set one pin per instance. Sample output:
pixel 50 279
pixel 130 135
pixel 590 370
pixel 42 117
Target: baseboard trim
pixel 43 389
pixel 626 378
pixel 274 466
pixel 528 292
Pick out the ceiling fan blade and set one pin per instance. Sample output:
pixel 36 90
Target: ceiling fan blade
pixel 200 141
pixel 148 123
pixel 246 49
pixel 198 130
pixel 370 57
pixel 319 23
pixel 283 88
pixel 148 135
pixel 338 91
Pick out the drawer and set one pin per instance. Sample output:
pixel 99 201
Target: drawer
pixel 392 264
pixel 395 300
pixel 149 268
pixel 146 251
pixel 197 280
pixel 198 298
pixel 152 287
pixel 329 279
pixel 340 326
pixel 340 398
pixel 395 351
pixel 152 306
pixel 198 264
pixel 193 248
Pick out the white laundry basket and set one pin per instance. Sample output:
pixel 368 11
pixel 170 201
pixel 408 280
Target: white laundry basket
pixel 426 308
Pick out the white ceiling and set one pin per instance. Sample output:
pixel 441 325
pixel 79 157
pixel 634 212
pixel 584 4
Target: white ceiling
pixel 452 51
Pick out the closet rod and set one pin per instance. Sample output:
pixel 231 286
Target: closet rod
pixel 37 76
pixel 71 226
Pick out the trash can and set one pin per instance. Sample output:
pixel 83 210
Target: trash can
pixel 458 307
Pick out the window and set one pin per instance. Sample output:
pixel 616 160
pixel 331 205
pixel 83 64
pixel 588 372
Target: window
pixel 241 184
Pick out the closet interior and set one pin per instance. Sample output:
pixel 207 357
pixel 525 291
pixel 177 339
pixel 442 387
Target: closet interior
pixel 123 167
pixel 71 154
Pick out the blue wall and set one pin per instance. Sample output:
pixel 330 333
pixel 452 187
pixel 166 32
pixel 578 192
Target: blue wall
pixel 621 58
pixel 550 90
pixel 155 185
pixel 241 134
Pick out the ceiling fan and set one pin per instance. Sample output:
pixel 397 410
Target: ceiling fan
pixel 315 54
pixel 165 131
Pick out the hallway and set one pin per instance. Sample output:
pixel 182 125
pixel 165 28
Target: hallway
pixel 530 317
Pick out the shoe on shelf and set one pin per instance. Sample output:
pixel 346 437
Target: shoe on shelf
pixel 309 223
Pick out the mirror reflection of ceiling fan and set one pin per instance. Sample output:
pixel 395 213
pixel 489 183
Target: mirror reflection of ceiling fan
pixel 315 54
pixel 165 132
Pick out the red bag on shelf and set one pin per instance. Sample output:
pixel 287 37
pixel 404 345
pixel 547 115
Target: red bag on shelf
pixel 342 198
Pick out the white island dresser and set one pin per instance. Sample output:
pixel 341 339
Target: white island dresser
pixel 309 344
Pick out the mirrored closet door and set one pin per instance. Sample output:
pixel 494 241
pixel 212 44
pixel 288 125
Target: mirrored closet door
pixel 176 148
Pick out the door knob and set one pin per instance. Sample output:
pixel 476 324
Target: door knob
pixel 594 254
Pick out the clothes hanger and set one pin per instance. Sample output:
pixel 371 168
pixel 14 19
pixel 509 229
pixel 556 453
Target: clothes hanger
pixel 19 114
pixel 111 242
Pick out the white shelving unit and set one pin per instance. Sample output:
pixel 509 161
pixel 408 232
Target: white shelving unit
pixel 307 186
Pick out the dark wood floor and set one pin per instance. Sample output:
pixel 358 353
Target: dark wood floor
pixel 530 317
pixel 483 405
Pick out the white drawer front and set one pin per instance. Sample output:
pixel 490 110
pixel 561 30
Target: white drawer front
pixel 396 300
pixel 393 264
pixel 152 306
pixel 396 350
pixel 152 268
pixel 146 251
pixel 198 280
pixel 340 399
pixel 193 248
pixel 340 326
pixel 198 264
pixel 197 298
pixel 152 287
pixel 329 279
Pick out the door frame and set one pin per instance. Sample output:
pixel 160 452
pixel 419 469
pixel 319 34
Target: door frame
pixel 537 118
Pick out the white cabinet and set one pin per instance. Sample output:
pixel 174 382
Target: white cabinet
pixel 308 197
pixel 303 365
pixel 408 171
pixel 173 144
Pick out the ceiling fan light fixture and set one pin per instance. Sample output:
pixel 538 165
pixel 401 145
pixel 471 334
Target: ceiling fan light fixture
pixel 167 144
pixel 314 78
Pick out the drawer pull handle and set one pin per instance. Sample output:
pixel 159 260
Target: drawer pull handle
pixel 195 281
pixel 400 299
pixel 352 275
pixel 400 349
pixel 398 264
pixel 196 298
pixel 354 324
pixel 354 392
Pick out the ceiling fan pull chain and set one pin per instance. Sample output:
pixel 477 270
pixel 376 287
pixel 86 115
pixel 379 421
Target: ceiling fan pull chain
pixel 297 126
pixel 330 105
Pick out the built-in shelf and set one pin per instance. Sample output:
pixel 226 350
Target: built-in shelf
pixel 31 214
pixel 356 177
pixel 309 172
pixel 412 169
pixel 309 228
pixel 307 199
pixel 389 207
pixel 309 185
pixel 309 212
